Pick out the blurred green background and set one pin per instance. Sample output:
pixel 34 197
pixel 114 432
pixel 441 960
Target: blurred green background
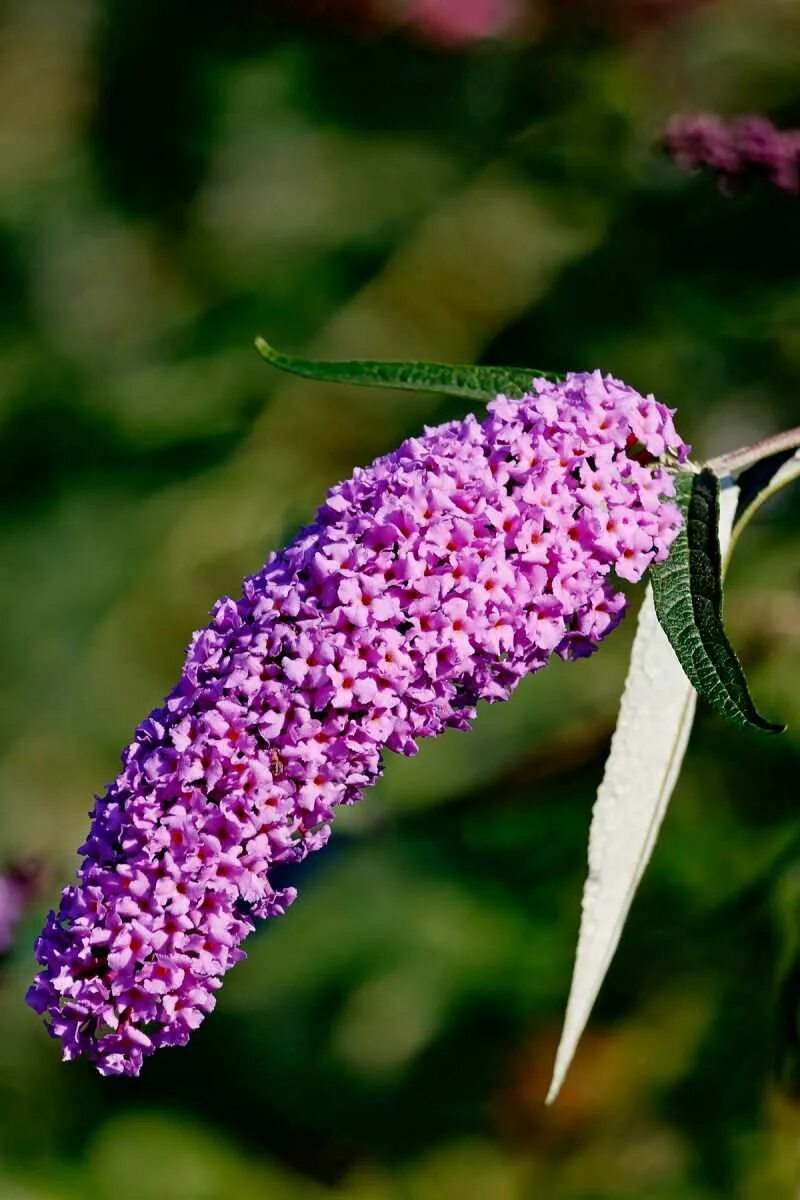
pixel 175 178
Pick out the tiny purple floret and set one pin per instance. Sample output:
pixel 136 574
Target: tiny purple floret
pixel 439 576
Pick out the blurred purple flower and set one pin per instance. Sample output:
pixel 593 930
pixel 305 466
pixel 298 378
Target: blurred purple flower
pixel 466 21
pixel 736 149
pixel 17 885
pixel 437 577
pixel 11 904
pixel 458 24
pixel 451 24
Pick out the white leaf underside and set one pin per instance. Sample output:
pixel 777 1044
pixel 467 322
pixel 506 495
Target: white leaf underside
pixel 647 751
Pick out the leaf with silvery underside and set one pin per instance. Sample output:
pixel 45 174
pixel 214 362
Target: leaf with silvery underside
pixel 687 592
pixel 647 751
pixel 467 382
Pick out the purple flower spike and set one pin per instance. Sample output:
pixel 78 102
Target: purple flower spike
pixel 437 577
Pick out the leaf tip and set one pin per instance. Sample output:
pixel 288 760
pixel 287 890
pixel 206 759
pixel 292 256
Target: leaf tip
pixel 267 352
pixel 761 725
pixel 564 1056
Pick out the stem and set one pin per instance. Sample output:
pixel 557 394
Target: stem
pixel 786 474
pixel 737 460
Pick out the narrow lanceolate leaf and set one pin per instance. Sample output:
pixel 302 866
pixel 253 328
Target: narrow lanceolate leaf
pixel 647 751
pixel 470 383
pixel 687 592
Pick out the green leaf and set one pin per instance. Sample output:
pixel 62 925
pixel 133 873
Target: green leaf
pixel 470 383
pixel 687 590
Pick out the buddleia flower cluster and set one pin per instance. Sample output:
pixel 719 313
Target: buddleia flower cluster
pixel 438 577
pixel 736 149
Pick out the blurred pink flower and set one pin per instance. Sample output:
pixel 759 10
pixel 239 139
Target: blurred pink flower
pixel 10 911
pixel 459 21
pixel 736 149
pixel 19 883
pixel 459 24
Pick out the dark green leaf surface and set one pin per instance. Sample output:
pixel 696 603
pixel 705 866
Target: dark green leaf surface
pixel 469 382
pixel 687 590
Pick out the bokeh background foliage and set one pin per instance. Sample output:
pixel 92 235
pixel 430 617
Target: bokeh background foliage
pixel 175 178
